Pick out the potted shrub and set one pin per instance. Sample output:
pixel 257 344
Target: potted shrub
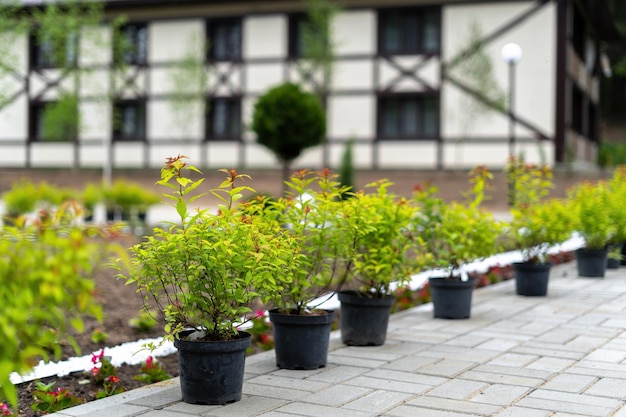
pixel 617 197
pixel 456 234
pixel 312 214
pixel 90 197
pixel 382 261
pixel 589 204
pixel 203 273
pixel 147 199
pixel 537 225
pixel 21 199
pixel 535 229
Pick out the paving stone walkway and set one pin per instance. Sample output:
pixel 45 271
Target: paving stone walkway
pixel 563 355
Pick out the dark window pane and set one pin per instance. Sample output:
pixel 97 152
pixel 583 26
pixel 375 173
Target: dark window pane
pixel 408 117
pixel 392 34
pixel 225 41
pixel 134 47
pixel 142 45
pixel 431 32
pixel 129 121
pixel 54 51
pixel 224 119
pixel 390 117
pixel 409 31
pixel 429 117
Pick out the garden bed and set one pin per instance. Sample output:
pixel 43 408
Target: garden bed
pixel 120 303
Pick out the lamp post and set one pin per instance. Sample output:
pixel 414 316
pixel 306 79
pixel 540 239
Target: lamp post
pixel 512 54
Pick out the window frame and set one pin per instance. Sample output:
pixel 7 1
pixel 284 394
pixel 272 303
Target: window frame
pixel 211 25
pixel 36 116
pixel 404 98
pixel 233 102
pixel 48 60
pixel 137 136
pixel 405 13
pixel 121 56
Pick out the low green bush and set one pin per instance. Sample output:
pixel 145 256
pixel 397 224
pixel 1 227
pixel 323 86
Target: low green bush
pixel 45 288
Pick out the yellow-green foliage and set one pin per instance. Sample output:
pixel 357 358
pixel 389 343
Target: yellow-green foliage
pixel 45 288
pixel 26 196
pixel 590 205
pixel 128 195
pixel 457 233
pixel 314 215
pixel 205 271
pixel 617 203
pixel 538 227
pixel 537 223
pixel 385 244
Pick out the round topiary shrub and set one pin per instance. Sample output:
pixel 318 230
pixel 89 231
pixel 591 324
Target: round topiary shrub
pixel 288 120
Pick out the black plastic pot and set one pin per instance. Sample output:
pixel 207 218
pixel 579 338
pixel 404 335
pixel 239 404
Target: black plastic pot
pixel 363 319
pixel 212 372
pixel 591 262
pixel 612 263
pixel 451 298
pixel 623 261
pixel 301 341
pixel 532 279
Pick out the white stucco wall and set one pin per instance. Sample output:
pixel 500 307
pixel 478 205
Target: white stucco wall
pixel 352 116
pixel 262 76
pixel 95 46
pixel 351 106
pixel 265 36
pixel 535 84
pixel 47 155
pixel 14 121
pixel 175 122
pixel 355 32
pixel 174 40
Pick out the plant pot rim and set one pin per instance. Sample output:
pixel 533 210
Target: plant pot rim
pixel 586 249
pixel 242 335
pixel 364 294
pixel 531 264
pixel 317 312
pixel 456 278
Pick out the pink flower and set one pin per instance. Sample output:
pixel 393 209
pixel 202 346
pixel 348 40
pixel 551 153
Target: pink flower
pixel 149 362
pixel 97 358
pixel 94 371
pixel 5 409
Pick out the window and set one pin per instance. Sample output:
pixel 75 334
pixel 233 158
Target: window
pixel 132 45
pixel 223 120
pixel 129 120
pixel 54 51
pixel 317 30
pixel 224 40
pixel 408 117
pixel 409 31
pixel 296 38
pixel 54 121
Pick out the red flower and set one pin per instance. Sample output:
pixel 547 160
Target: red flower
pixel 113 379
pixel 150 362
pixel 94 371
